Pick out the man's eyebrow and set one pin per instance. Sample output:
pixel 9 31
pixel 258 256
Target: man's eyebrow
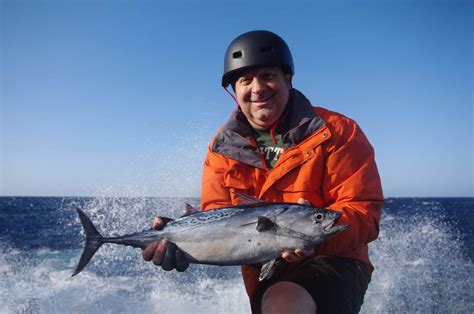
pixel 243 76
pixel 267 73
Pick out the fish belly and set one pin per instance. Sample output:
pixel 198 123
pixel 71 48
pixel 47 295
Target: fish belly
pixel 229 248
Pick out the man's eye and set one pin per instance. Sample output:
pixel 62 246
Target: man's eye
pixel 268 76
pixel 245 80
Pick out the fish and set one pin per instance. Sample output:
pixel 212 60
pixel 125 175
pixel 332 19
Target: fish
pixel 250 233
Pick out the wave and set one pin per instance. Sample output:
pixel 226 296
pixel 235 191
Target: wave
pixel 420 259
pixel 421 266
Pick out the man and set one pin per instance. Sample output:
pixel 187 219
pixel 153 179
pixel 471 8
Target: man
pixel 279 148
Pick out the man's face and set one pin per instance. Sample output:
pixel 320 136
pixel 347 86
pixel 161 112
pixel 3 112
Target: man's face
pixel 262 94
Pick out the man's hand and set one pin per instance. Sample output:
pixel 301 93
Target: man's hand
pixel 164 253
pixel 298 254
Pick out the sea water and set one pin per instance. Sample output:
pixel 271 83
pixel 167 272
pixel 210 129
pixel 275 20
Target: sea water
pixel 423 259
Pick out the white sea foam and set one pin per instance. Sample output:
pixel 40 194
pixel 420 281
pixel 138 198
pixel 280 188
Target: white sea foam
pixel 419 264
pixel 42 283
pixel 420 267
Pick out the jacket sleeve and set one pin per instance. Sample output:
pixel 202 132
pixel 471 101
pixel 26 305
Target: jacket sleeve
pixel 214 193
pixel 352 186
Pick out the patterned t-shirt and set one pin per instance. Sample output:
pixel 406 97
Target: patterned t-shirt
pixel 267 147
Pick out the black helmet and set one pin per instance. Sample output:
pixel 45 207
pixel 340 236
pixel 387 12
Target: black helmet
pixel 256 48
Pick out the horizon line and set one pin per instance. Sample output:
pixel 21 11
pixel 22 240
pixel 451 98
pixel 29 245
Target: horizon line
pixel 197 197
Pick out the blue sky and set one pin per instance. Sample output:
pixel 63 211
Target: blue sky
pixel 120 98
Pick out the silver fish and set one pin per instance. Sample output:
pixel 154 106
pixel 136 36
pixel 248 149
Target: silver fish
pixel 238 235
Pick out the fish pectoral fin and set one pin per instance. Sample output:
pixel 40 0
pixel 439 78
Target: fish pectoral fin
pixel 268 269
pixel 264 224
pixel 248 200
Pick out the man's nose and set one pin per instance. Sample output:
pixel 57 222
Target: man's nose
pixel 257 85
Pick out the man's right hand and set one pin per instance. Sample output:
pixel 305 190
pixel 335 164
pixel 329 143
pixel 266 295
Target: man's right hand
pixel 164 253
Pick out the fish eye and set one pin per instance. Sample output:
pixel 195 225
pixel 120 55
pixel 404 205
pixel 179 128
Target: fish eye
pixel 319 217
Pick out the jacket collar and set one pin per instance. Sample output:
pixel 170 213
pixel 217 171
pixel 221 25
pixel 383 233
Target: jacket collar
pixel 235 140
pixel 298 121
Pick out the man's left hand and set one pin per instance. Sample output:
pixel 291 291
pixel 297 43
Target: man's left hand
pixel 298 254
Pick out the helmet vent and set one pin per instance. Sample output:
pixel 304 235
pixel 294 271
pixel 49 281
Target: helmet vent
pixel 237 54
pixel 267 49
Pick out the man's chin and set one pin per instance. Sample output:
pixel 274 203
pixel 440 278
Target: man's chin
pixel 262 123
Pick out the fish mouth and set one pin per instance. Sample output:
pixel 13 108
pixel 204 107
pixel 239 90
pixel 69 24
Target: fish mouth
pixel 332 228
pixel 336 229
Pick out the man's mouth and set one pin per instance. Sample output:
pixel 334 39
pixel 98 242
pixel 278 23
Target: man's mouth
pixel 262 100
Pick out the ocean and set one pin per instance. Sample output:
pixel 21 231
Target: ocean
pixel 423 259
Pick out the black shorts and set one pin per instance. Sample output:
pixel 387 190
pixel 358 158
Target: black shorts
pixel 336 284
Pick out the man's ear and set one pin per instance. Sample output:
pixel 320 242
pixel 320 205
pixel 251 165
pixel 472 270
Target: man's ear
pixel 289 78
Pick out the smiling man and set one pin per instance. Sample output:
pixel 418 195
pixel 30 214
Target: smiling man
pixel 262 95
pixel 277 147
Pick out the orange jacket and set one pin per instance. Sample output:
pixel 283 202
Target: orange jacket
pixel 327 160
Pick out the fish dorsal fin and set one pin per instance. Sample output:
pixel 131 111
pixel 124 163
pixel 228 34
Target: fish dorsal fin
pixel 264 224
pixel 248 200
pixel 268 269
pixel 189 210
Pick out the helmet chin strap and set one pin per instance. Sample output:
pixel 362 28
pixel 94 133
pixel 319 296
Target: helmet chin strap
pixel 271 128
pixel 231 95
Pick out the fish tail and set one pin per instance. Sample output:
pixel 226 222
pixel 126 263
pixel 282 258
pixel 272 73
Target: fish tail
pixel 93 241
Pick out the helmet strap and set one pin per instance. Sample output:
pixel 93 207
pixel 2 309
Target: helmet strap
pixel 232 95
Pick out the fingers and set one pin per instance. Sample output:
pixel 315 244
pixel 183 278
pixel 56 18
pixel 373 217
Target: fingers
pixel 303 201
pixel 149 251
pixel 289 256
pixel 297 255
pixel 304 252
pixel 155 250
pixel 169 258
pixel 174 258
pixel 160 252
pixel 164 253
pixel 158 223
pixel 181 261
pixel 167 255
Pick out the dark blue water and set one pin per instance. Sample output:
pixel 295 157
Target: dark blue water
pixel 423 260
